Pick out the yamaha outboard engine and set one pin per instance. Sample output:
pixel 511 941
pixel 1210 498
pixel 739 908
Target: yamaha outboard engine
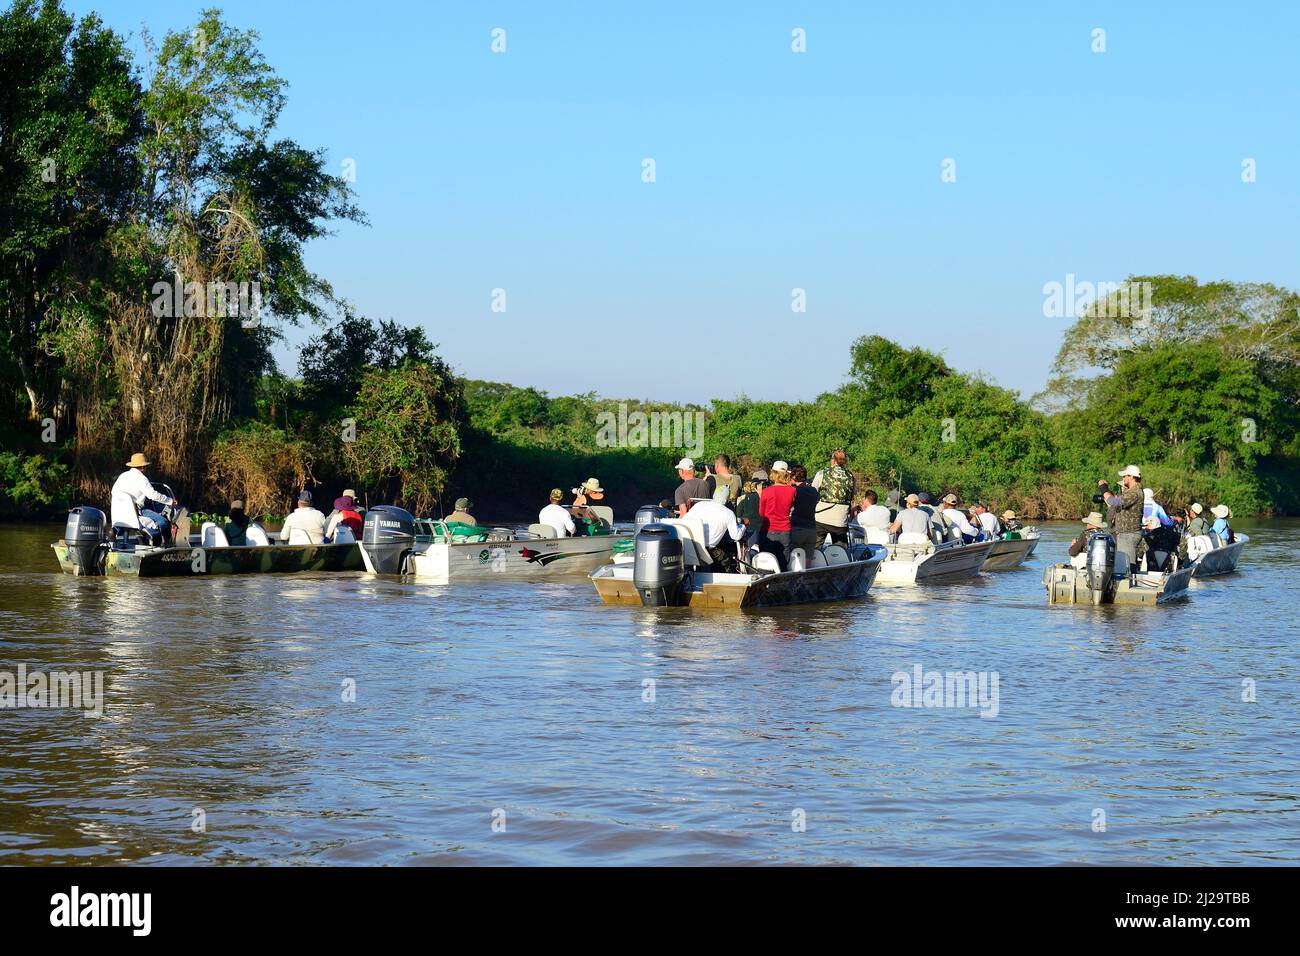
pixel 648 514
pixel 387 537
pixel 659 569
pixel 84 536
pixel 1101 563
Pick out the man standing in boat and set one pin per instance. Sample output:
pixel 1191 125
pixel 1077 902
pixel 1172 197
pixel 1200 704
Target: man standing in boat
pixel 836 488
pixel 131 492
pixel 1126 515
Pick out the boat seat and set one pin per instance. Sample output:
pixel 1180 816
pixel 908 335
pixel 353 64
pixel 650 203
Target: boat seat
pixel 542 531
pixel 604 512
pixel 912 537
pixel 256 537
pixel 766 561
pixel 690 531
pixel 211 536
pixel 796 560
pixel 836 554
pixel 1199 544
pixel 1080 561
pixel 343 535
pixel 817 559
pixel 299 536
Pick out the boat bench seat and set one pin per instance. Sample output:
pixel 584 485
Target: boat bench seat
pixel 690 531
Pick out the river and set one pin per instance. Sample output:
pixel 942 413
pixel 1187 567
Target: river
pixel 525 723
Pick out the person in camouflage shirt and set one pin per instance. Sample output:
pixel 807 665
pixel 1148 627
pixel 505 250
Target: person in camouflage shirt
pixel 1126 516
pixel 837 488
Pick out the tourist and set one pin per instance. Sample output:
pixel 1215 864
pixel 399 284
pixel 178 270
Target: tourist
pixel 460 514
pixel 590 493
pixel 873 515
pixel 986 519
pixel 556 516
pixel 953 516
pixel 1009 521
pixel 306 519
pixel 1126 516
pixel 804 532
pixel 912 520
pixel 131 491
pixel 345 515
pixel 774 504
pixel 1222 514
pixel 719 522
pixel 691 490
pixel 747 505
pixel 726 486
pixel 236 529
pixel 1094 522
pixel 836 487
pixel 1196 523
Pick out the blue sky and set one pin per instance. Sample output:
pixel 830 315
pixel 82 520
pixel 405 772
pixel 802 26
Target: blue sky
pixel 774 171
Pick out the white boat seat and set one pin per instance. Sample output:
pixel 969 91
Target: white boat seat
pixel 604 512
pixel 343 535
pixel 912 537
pixel 796 559
pixel 542 531
pixel 299 536
pixel 256 537
pixel 1199 544
pixel 690 531
pixel 836 554
pixel 211 536
pixel 766 561
pixel 817 559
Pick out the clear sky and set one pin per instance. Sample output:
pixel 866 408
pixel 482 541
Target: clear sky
pixel 776 170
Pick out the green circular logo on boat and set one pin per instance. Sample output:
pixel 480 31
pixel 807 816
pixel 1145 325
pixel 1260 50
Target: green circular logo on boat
pixel 484 556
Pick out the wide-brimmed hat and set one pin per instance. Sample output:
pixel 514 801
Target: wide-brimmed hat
pixel 137 461
pixel 685 464
pixel 350 493
pixel 758 475
pixel 1220 511
pixel 1196 508
pixel 1008 513
pixel 344 503
pixel 462 504
pixel 1095 518
pixel 591 484
pixel 556 494
pixel 1133 470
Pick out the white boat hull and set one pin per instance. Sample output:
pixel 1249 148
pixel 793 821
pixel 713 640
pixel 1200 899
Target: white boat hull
pixel 1221 560
pixel 527 557
pixel 1005 555
pixel 928 564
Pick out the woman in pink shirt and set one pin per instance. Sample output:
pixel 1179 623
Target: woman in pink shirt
pixel 774 506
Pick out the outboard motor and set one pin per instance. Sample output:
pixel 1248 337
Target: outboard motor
pixel 84 536
pixel 659 569
pixel 387 537
pixel 648 514
pixel 1101 561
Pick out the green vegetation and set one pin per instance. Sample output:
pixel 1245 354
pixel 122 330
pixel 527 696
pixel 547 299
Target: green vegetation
pixel 138 203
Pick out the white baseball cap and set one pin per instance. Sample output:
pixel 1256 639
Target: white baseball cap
pixel 686 465
pixel 1196 508
pixel 1133 470
pixel 780 466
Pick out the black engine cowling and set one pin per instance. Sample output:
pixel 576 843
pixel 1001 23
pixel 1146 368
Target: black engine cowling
pixel 659 569
pixel 84 536
pixel 387 537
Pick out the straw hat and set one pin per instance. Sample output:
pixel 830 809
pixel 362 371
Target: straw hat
pixel 137 461
pixel 1008 514
pixel 591 484
pixel 1095 518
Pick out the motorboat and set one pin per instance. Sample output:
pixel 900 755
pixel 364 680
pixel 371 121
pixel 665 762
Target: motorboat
pixel 1092 578
pixel 1010 552
pixel 915 558
pixel 393 541
pixel 672 567
pixel 1213 556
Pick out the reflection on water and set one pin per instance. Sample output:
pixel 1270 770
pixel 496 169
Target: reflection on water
pixel 645 736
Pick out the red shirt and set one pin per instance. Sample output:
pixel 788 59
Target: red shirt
pixel 774 504
pixel 353 521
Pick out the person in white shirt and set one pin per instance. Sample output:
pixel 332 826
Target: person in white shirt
pixel 131 491
pixel 719 522
pixel 968 531
pixel 873 515
pixel 988 521
pixel 557 517
pixel 307 519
